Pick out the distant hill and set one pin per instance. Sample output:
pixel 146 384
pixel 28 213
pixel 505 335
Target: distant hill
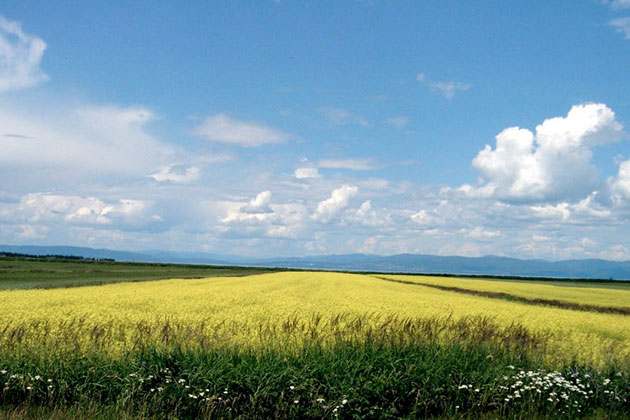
pixel 409 263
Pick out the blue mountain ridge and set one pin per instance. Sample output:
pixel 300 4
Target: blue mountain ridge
pixel 408 263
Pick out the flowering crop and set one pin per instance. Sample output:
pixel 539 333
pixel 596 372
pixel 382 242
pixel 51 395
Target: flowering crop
pixel 586 294
pixel 285 309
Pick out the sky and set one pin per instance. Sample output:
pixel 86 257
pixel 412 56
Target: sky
pixel 293 127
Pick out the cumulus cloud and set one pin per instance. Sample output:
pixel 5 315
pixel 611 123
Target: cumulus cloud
pixel 339 116
pixel 306 173
pixel 257 218
pixel 225 129
pixel 621 25
pixel 20 57
pixel 72 209
pixel 424 218
pixel 552 164
pixel 619 186
pixel 177 174
pixel 258 204
pixel 366 216
pixel 364 164
pixel 337 201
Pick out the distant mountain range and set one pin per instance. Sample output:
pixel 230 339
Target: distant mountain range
pixel 408 263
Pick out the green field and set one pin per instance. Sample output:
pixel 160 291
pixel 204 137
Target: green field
pixel 26 273
pixel 248 343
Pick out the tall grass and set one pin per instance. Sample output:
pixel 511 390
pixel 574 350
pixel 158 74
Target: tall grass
pixel 77 335
pixel 340 366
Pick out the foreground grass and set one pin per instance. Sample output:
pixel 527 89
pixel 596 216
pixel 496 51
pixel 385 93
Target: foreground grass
pixel 372 379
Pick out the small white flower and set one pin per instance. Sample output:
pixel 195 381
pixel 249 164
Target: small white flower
pixel 344 402
pixel 296 401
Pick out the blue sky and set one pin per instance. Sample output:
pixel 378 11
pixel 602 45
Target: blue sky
pixel 287 127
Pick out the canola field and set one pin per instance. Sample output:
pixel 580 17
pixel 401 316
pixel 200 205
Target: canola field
pixel 290 308
pixel 586 294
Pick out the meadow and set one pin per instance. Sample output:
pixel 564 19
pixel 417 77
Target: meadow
pixel 314 345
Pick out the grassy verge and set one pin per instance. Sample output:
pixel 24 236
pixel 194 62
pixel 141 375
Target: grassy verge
pixel 398 369
pixel 345 381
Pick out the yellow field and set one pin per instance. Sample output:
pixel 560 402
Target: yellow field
pixel 582 295
pixel 117 316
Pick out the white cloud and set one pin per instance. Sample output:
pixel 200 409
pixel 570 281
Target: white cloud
pixel 258 218
pixel 306 173
pixel 224 129
pixel 619 186
pixel 621 25
pixel 555 163
pixel 480 233
pixel 338 116
pixel 49 208
pixel 365 164
pixel 448 89
pixel 423 218
pixel 84 142
pixel 399 122
pixel 618 4
pixel 258 204
pixel 366 216
pixel 20 57
pixel 548 211
pixel 616 252
pixel 338 200
pixel 175 174
pixel 32 232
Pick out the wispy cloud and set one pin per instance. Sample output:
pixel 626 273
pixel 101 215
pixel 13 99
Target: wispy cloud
pixel 399 122
pixel 617 4
pixel 339 116
pixel 20 57
pixel 225 129
pixel 446 89
pixel 363 164
pixel 621 25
